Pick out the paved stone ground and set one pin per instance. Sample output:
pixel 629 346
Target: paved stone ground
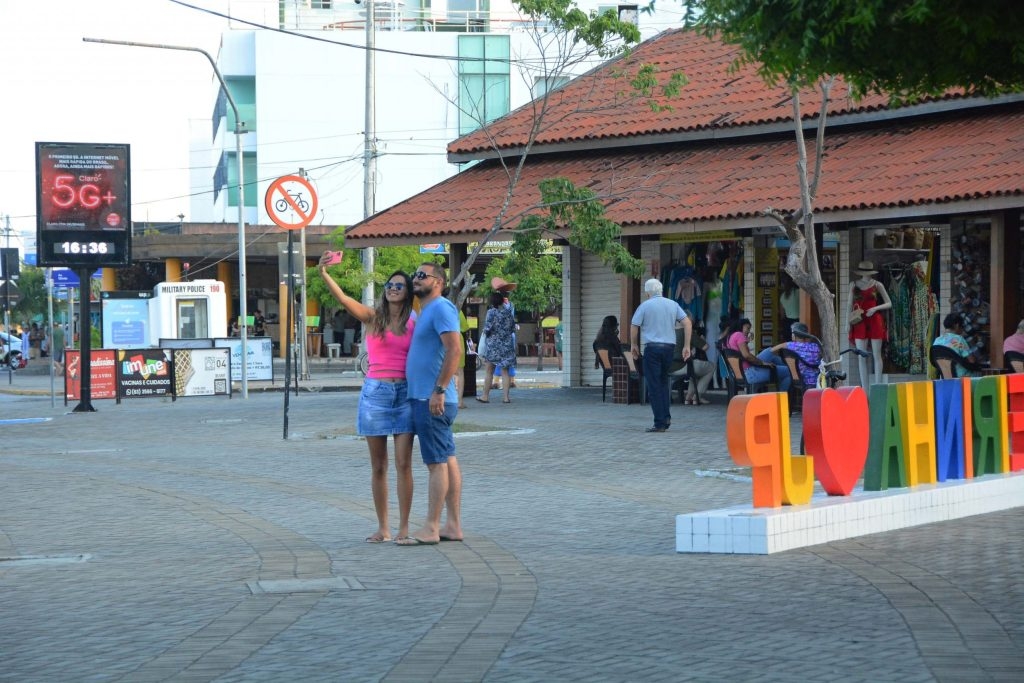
pixel 189 541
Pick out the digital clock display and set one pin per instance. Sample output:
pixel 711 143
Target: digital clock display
pixel 85 248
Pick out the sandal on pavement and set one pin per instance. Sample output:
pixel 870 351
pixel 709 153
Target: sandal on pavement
pixel 412 540
pixel 481 400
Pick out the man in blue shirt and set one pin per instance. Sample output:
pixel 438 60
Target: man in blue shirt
pixel 430 371
pixel 656 318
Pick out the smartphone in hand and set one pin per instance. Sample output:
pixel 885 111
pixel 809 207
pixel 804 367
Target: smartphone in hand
pixel 334 258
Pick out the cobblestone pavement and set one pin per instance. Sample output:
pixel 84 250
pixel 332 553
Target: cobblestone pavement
pixel 189 541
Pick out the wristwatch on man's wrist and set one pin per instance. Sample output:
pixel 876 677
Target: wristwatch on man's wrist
pixel 439 389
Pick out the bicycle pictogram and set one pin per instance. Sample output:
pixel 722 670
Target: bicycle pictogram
pixel 282 204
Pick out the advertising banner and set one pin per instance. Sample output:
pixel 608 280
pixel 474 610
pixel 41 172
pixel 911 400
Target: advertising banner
pixel 261 357
pixel 202 372
pixel 144 372
pixel 83 204
pixel 102 374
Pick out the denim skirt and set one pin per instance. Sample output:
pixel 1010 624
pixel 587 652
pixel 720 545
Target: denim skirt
pixel 384 409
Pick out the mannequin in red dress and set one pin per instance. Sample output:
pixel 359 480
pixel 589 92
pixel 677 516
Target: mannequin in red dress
pixel 869 296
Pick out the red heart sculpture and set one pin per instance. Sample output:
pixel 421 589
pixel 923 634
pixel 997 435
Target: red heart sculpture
pixel 836 433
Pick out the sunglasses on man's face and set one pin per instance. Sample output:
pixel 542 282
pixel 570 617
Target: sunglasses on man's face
pixel 397 286
pixel 420 275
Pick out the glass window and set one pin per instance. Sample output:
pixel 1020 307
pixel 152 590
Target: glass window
pixel 219 111
pixel 484 80
pixel 220 176
pixel 243 90
pixel 249 160
pixel 193 319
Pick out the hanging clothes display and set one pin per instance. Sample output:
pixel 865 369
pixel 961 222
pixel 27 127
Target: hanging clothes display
pixel 686 290
pixel 913 308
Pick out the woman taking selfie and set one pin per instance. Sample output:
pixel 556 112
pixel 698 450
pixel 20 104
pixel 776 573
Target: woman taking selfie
pixel 383 402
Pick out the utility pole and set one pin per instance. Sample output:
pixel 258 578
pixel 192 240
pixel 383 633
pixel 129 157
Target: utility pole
pixel 303 301
pixel 7 301
pixel 369 152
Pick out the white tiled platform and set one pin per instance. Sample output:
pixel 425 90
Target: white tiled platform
pixel 761 531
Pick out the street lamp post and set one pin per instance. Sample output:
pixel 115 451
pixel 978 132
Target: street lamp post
pixel 242 289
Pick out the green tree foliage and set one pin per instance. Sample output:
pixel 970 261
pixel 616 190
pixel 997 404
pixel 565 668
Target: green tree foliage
pixel 538 276
pixel 32 285
pixel 581 211
pixel 599 31
pixel 351 276
pixel 903 48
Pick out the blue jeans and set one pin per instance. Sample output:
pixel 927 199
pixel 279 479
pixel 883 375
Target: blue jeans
pixel 657 361
pixel 756 375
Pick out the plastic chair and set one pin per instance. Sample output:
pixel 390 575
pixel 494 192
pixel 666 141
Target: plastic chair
pixel 734 379
pixel 946 359
pixel 1014 361
pixel 603 361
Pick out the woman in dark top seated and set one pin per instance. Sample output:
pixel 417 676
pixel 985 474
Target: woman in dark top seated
pixel 608 341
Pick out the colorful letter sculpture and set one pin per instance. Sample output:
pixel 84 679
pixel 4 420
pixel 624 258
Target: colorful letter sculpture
pixel 953 441
pixel 885 467
pixel 1015 420
pixel 757 426
pixel 918 407
pixel 991 454
pixel 914 433
pixel 839 453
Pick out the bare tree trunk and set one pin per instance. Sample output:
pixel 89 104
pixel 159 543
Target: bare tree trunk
pixel 802 260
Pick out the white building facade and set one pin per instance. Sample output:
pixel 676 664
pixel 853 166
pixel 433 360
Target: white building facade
pixel 441 69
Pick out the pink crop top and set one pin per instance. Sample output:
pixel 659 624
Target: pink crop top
pixel 387 355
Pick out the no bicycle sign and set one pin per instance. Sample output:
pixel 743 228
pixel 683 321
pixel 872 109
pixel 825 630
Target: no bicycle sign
pixel 291 202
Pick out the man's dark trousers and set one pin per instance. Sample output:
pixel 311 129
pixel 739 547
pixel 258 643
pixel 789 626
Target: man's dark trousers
pixel 657 361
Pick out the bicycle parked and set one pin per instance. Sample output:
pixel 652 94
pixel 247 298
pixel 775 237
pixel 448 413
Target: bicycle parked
pixel 832 378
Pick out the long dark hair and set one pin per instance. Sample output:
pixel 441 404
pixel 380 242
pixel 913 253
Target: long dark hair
pixel 608 336
pixel 382 320
pixel 736 325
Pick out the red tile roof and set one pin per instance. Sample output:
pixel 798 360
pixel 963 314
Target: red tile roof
pixel 600 105
pixel 726 174
pixel 919 163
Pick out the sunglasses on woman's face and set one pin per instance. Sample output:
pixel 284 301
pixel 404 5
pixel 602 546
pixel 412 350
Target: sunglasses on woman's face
pixel 397 286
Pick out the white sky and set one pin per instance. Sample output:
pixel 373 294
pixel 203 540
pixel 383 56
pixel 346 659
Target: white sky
pixel 56 88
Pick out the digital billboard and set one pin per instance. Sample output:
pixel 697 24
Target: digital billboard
pixel 83 204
